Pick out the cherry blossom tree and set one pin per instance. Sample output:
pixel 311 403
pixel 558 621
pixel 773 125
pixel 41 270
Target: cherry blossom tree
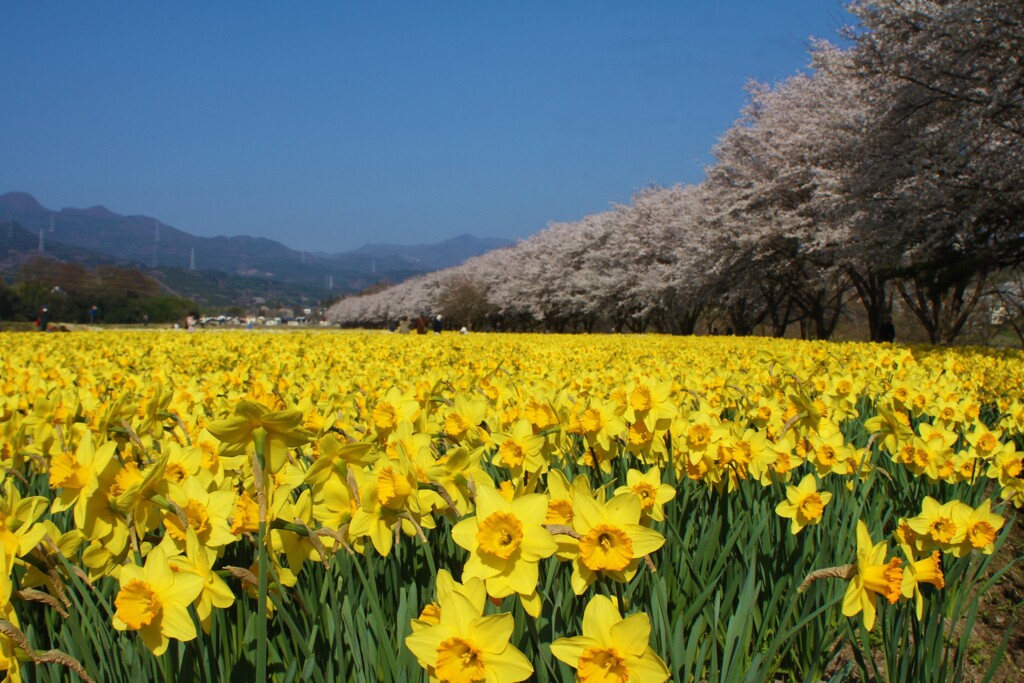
pixel 777 173
pixel 944 163
pixel 895 165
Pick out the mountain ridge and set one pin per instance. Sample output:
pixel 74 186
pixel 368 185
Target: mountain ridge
pixel 148 241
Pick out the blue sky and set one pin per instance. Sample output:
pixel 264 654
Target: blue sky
pixel 326 125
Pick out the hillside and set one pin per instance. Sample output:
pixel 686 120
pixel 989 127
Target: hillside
pixel 236 268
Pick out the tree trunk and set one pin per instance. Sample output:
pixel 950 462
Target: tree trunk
pixel 873 292
pixel 942 305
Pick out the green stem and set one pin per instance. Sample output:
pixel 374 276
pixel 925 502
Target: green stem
pixel 165 662
pixel 259 436
pixel 531 626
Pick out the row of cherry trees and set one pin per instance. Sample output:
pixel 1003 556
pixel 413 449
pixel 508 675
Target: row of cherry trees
pixel 894 169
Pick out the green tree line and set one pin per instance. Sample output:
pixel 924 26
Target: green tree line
pixel 70 291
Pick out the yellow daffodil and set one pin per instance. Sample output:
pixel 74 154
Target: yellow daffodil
pixel 979 527
pixel 182 462
pixel 611 649
pixel 612 540
pixel 245 518
pixel 1013 493
pixel 374 519
pixel 506 540
pixel 936 526
pixel 199 560
pixel 19 527
pixel 394 408
pixel 600 423
pixel 332 504
pixel 651 401
pixel 804 504
pixel 874 577
pixel 927 569
pixel 82 471
pixel 520 450
pixel 649 490
pixel 831 454
pixel 8 657
pixel 928 454
pixel 1007 464
pixel 472 589
pixel 205 512
pixel 283 430
pixel 454 472
pixel 462 421
pixel 154 600
pixel 465 647
pixel 540 414
pixel 751 456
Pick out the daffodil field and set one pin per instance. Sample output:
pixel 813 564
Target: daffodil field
pixel 324 506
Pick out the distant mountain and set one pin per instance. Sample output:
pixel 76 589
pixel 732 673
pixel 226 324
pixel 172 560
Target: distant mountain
pixel 427 257
pixel 148 242
pixel 18 246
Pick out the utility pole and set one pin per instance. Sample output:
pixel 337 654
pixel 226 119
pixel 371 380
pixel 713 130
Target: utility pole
pixel 192 259
pixel 42 244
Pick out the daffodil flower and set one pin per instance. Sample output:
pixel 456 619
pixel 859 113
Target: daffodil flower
pixel 520 450
pixel 649 490
pixel 506 541
pixel 927 569
pixel 463 646
pixel 611 649
pixel 874 577
pixel 980 527
pixel 19 528
pixel 199 560
pixel 472 589
pixel 804 504
pixel 936 526
pixel 205 513
pixel 283 428
pixel 612 540
pixel 154 600
pixel 8 657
